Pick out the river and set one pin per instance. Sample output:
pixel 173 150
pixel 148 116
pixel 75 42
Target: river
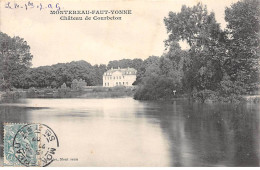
pixel 126 132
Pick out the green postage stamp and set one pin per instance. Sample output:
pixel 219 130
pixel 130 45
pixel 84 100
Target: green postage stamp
pixel 29 145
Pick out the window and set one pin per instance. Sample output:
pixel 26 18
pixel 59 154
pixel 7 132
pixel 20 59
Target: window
pixel 123 83
pixel 123 77
pixel 119 77
pixel 114 77
pixel 119 83
pixel 126 83
pixel 105 84
pixel 116 83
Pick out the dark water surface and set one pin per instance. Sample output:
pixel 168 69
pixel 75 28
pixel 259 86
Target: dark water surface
pixel 125 132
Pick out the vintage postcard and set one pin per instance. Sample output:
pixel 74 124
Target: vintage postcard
pixel 129 83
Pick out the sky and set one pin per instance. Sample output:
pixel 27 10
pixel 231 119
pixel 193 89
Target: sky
pixel 138 35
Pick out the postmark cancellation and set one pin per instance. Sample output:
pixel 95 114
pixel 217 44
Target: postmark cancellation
pixel 29 145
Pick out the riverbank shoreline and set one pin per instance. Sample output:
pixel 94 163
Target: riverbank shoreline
pixel 91 92
pixel 96 93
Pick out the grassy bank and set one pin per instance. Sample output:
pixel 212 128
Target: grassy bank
pixel 108 94
pixel 89 92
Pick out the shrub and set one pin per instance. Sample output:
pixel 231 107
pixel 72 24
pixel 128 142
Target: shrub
pixel 204 95
pixel 156 87
pixel 78 84
pixel 118 88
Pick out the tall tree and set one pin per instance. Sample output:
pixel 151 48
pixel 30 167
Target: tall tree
pixel 15 59
pixel 203 34
pixel 243 30
pixel 172 62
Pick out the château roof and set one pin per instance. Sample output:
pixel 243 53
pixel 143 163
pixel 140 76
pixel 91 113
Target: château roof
pixel 125 71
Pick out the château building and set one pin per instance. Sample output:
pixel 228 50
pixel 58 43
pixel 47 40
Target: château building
pixel 119 77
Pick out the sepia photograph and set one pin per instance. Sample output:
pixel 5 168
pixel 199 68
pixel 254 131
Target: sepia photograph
pixel 129 83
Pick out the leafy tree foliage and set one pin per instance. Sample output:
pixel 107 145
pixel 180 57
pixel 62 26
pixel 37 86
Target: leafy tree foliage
pixel 124 63
pixel 15 59
pixel 78 84
pixel 220 64
pixel 63 86
pixel 148 67
pixel 56 75
pixel 98 74
pixel 200 29
pixel 243 29
pixel 160 76
pixel 156 87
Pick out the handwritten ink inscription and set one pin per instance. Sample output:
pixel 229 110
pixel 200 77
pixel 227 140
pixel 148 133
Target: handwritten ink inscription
pixel 32 5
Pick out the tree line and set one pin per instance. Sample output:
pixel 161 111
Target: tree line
pixel 16 71
pixel 55 75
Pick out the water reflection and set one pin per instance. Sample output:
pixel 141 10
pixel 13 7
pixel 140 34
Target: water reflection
pixel 125 132
pixel 211 135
